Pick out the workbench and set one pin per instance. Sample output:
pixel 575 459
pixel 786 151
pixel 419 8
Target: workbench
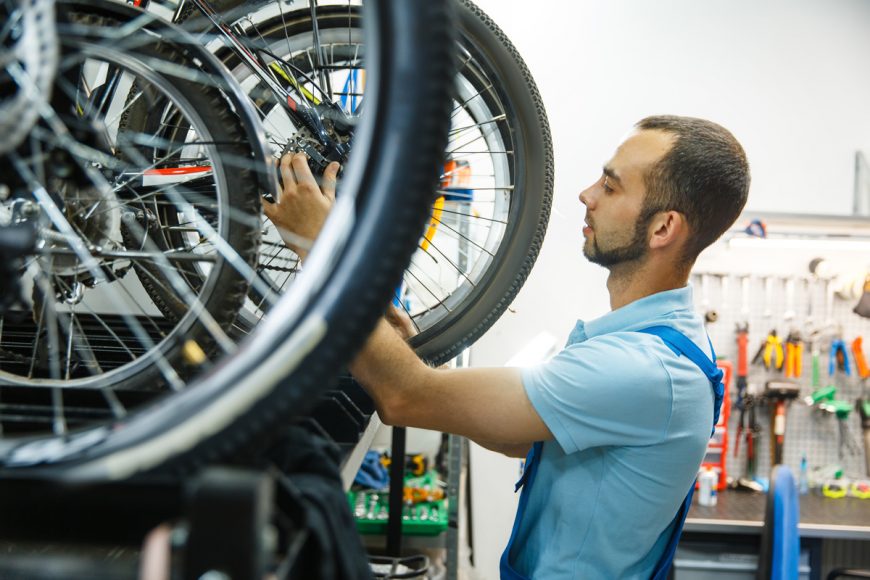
pixel 831 531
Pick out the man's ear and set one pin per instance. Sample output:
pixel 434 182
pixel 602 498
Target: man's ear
pixel 668 228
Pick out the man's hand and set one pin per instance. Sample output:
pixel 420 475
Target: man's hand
pixel 401 322
pixel 302 206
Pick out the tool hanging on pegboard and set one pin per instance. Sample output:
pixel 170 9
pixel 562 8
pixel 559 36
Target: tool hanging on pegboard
pixel 780 392
pixel 746 401
pixel 794 349
pixel 863 402
pixel 770 353
pixel 782 317
pixel 863 306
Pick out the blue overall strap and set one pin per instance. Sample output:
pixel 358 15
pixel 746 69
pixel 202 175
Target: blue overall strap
pixel 680 344
pixel 531 466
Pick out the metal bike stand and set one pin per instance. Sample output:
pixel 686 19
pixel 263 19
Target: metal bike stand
pixel 229 513
pixel 456 445
pixel 397 484
pixel 223 519
pixel 225 514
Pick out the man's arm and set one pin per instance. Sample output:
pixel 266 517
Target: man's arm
pixel 520 450
pixel 487 404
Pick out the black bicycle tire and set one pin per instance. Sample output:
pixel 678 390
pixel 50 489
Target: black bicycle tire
pixel 528 217
pixel 530 201
pixel 232 407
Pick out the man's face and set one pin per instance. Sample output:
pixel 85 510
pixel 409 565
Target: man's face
pixel 615 231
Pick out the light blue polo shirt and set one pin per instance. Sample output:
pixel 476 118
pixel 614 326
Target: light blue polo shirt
pixel 631 421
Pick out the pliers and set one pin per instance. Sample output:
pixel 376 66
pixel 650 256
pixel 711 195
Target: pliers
pixel 794 348
pixel 747 424
pixel 838 358
pixel 770 352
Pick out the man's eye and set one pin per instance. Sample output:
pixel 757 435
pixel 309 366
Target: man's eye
pixel 606 186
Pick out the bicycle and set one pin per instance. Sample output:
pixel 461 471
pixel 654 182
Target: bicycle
pixel 185 409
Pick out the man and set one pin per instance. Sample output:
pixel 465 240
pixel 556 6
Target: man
pixel 624 417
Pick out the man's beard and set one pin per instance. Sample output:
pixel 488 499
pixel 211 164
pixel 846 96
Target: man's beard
pixel 635 249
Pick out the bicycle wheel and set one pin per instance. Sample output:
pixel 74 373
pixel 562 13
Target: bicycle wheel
pixel 292 355
pixel 489 219
pixel 499 219
pixel 105 201
pixel 88 346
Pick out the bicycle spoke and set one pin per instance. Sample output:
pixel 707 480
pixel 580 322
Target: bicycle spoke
pixel 463 237
pixel 475 217
pixel 37 341
pixel 70 333
pixel 438 299
pixel 318 50
pixel 49 316
pixel 459 107
pixel 109 330
pixel 506 152
pixel 82 345
pixel 459 130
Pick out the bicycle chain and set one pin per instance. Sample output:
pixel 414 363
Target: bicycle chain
pixel 292 270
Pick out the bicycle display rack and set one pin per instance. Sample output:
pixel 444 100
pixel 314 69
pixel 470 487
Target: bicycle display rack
pixel 241 521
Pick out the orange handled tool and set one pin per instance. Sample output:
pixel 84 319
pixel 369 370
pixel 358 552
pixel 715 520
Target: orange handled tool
pixel 860 361
pixel 794 350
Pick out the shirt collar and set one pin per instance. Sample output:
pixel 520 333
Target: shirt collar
pixel 637 314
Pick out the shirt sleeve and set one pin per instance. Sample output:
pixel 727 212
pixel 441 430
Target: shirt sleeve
pixel 609 390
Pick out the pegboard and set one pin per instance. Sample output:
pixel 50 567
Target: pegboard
pixel 767 283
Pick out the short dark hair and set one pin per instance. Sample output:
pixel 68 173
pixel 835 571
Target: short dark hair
pixel 704 176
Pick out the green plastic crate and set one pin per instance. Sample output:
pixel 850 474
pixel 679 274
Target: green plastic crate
pixel 371 510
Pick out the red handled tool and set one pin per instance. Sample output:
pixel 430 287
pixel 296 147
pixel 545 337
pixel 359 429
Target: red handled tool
pixel 742 374
pixel 780 392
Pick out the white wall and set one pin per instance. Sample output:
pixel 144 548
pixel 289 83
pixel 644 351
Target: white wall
pixel 788 77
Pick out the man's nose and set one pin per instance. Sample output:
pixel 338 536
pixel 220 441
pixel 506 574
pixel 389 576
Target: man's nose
pixel 587 197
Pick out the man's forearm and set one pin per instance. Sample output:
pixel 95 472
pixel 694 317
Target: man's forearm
pixel 489 404
pixel 395 377
pixel 390 372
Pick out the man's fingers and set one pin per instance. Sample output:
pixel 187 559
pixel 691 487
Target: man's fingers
pixel 302 171
pixel 268 207
pixel 287 175
pixel 330 176
pixel 400 321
